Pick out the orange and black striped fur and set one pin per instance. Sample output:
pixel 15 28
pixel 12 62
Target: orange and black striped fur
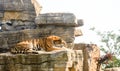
pixel 48 43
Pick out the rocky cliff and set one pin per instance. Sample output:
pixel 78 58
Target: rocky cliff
pixel 45 61
pixel 19 9
pixel 21 20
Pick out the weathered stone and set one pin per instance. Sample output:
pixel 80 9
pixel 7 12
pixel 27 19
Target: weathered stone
pixel 22 26
pixel 37 7
pixel 2 61
pixel 90 52
pixel 78 32
pixel 17 25
pixel 67 33
pixel 1 14
pixel 19 9
pixel 9 38
pixel 2 68
pixel 80 21
pixel 10 5
pixel 61 19
pixel 78 63
pixel 64 60
pixel 6 27
pixel 70 45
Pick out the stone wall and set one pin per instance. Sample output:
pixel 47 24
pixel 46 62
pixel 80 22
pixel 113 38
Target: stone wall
pixel 20 31
pixel 60 24
pixel 21 20
pixel 18 14
pixel 19 9
pixel 45 61
pixel 90 53
pixel 61 19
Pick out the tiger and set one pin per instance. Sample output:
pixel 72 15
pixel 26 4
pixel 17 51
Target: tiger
pixel 48 43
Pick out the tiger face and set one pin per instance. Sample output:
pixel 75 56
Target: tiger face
pixel 57 41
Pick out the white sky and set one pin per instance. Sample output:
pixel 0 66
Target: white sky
pixel 101 14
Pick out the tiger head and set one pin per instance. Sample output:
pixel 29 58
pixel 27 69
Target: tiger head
pixel 57 41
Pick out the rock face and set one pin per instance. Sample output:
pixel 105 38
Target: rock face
pixel 21 20
pixel 61 24
pixel 90 52
pixel 45 61
pixel 78 32
pixel 19 9
pixel 22 23
pixel 31 30
pixel 61 19
pixel 18 14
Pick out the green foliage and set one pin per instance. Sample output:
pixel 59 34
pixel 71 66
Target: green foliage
pixel 111 41
pixel 115 63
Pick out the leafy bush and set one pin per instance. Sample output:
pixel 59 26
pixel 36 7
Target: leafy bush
pixel 111 44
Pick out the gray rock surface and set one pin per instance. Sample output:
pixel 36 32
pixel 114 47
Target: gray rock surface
pixel 61 19
pixel 66 60
pixel 19 9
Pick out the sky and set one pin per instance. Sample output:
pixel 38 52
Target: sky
pixel 104 15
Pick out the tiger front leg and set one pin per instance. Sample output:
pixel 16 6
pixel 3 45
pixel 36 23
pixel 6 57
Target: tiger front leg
pixel 55 48
pixel 32 52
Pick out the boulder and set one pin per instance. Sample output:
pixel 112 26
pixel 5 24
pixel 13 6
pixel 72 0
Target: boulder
pixel 63 60
pixel 19 9
pixel 90 53
pixel 78 32
pixel 60 19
